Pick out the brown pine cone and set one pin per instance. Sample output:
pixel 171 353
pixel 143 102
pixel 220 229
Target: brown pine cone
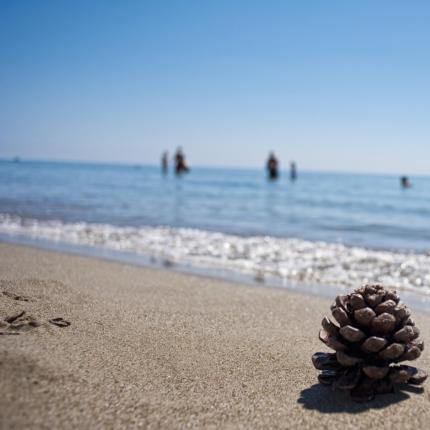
pixel 375 332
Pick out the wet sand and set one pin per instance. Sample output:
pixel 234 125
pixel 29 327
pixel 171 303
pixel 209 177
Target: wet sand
pixel 157 349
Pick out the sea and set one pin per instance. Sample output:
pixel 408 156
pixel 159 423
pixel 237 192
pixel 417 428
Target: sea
pixel 322 231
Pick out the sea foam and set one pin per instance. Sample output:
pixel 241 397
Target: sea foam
pixel 290 260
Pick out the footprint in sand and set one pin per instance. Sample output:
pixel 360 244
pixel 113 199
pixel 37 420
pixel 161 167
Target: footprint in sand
pixel 14 296
pixel 18 322
pixel 60 322
pixel 21 322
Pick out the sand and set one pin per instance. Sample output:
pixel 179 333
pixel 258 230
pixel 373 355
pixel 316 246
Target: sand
pixel 151 348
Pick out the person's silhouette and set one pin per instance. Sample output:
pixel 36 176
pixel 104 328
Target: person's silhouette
pixel 180 163
pixel 272 166
pixel 293 171
pixel 405 182
pixel 165 162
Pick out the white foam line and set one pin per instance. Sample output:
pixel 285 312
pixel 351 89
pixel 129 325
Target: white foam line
pixel 291 260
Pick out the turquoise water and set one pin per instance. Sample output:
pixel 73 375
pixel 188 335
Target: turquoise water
pixel 363 210
pixel 325 228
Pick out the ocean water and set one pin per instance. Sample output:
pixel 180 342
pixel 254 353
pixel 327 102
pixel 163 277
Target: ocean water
pixel 325 228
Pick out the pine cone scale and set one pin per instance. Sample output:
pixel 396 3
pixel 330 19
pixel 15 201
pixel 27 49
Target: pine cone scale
pixel 341 316
pixel 347 360
pixel 327 377
pixel 376 372
pixel 383 324
pixel 351 334
pixel 373 344
pixel 348 380
pixel 418 376
pixel 364 316
pixel 332 341
pixel 386 307
pixel 412 353
pixel 393 351
pixel 406 334
pixel 325 361
pixel 329 326
pixel 357 302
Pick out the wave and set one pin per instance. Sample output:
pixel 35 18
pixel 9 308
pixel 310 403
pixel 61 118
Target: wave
pixel 290 260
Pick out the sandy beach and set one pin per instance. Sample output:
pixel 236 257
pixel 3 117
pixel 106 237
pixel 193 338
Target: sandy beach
pixel 157 349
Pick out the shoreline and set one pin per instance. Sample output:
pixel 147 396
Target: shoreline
pixel 416 299
pixel 151 348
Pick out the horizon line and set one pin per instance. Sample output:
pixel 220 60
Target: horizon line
pixel 200 166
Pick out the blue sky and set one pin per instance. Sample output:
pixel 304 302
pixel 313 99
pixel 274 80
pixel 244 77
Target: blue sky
pixel 335 85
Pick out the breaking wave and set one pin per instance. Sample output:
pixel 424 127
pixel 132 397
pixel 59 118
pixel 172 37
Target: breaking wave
pixel 290 260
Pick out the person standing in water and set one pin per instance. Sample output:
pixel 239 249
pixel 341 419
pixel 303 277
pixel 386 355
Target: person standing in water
pixel 272 166
pixel 180 163
pixel 405 182
pixel 293 171
pixel 165 162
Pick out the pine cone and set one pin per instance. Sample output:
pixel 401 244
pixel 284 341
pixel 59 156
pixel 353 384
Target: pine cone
pixel 375 333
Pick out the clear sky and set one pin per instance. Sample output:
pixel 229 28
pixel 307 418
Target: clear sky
pixel 335 85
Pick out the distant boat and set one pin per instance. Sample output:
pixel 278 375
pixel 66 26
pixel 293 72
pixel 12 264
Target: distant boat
pixel 16 160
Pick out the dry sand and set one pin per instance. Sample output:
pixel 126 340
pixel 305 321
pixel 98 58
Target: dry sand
pixel 157 349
